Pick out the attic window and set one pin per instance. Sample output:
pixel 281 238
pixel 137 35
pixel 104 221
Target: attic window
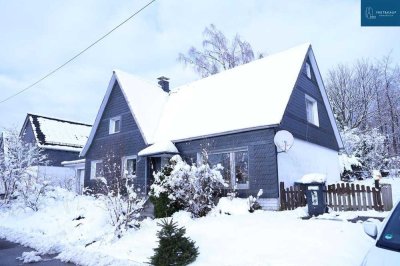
pixel 115 125
pixel 312 111
pixel 308 70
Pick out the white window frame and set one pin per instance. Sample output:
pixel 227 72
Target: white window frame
pixel 111 128
pixel 232 166
pixel 308 70
pixel 93 169
pixel 125 161
pixel 313 105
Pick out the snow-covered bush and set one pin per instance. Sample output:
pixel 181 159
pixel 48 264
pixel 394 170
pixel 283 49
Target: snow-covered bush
pixel 30 188
pixel 194 187
pixel 16 159
pixel 367 145
pixel 118 193
pixel 253 201
pixel 174 248
pixel 350 167
pixel 163 205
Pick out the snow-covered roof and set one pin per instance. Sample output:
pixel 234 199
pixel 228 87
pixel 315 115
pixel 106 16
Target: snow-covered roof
pixel 145 100
pixel 58 134
pixel 73 162
pixel 162 147
pixel 248 96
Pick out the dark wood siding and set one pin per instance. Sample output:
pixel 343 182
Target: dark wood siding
pixel 262 157
pixel 128 141
pixel 295 117
pixel 27 134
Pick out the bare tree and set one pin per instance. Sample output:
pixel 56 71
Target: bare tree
pixel 366 98
pixel 350 90
pixel 217 53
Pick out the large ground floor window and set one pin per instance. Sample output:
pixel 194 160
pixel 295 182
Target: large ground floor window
pixel 236 167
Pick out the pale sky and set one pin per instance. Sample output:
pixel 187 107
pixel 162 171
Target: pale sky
pixel 37 36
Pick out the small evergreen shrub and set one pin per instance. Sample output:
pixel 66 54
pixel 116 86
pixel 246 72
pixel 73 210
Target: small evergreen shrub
pixel 163 205
pixel 174 248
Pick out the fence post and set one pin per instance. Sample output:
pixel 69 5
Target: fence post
pixel 283 195
pixel 386 191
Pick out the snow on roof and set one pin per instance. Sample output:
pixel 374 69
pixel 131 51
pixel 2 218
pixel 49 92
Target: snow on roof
pixel 248 96
pixel 73 162
pixel 146 101
pixel 58 134
pixel 163 147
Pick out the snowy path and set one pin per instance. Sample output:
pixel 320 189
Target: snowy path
pixel 10 251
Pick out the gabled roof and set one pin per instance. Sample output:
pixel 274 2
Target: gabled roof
pixel 58 134
pixel 145 100
pixel 250 96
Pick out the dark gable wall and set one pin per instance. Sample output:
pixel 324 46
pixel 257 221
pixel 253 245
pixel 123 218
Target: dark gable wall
pixel 128 141
pixel 262 157
pixel 295 117
pixel 54 157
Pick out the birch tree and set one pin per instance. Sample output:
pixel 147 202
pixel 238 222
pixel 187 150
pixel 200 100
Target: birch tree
pixel 218 53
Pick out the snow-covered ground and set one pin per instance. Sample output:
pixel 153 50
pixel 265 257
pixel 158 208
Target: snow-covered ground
pixel 77 227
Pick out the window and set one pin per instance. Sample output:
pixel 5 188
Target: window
pixel 308 70
pixel 236 167
pixel 96 169
pixel 115 125
pixel 312 111
pixel 129 165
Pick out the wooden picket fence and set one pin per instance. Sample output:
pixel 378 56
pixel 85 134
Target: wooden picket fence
pixel 292 197
pixel 341 197
pixel 350 197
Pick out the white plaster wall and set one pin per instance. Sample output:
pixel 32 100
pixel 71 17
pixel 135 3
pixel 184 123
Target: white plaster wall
pixel 57 176
pixel 304 158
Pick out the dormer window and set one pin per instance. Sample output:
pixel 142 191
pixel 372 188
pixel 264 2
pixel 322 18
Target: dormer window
pixel 115 125
pixel 312 111
pixel 308 70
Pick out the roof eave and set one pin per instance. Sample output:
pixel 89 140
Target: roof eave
pixel 226 133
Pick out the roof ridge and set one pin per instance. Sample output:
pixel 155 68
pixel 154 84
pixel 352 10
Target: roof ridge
pixel 59 119
pixel 116 71
pixel 237 68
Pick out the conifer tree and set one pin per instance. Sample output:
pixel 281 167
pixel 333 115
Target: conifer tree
pixel 174 248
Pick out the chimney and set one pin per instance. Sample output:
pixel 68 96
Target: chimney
pixel 164 83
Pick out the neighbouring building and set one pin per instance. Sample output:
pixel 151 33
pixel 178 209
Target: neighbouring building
pixel 61 141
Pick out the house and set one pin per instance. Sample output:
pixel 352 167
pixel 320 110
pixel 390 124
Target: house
pixel 233 115
pixel 61 141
